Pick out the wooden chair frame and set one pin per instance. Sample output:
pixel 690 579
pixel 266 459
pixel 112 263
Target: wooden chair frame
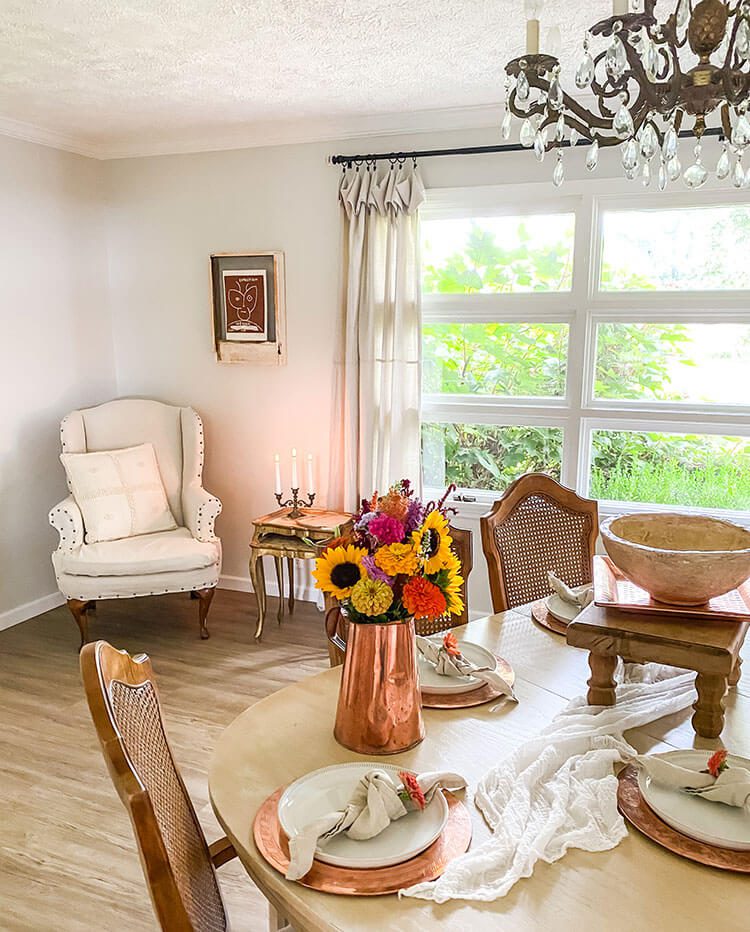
pixel 101 664
pixel 527 485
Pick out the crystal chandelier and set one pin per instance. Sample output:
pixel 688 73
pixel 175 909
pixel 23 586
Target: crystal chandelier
pixel 648 80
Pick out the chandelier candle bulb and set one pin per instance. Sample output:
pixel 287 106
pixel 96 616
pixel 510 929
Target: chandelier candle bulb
pixel 619 7
pixel 533 9
pixel 295 480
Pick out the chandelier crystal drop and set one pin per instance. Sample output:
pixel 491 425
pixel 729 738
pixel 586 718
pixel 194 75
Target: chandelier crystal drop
pixel 652 81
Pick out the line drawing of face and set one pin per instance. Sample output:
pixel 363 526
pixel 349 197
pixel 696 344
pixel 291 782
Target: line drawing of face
pixel 243 299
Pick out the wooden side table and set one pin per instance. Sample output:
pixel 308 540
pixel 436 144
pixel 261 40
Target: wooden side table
pixel 711 648
pixel 279 536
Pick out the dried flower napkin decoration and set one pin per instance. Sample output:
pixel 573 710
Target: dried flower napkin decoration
pixel 377 801
pixel 449 661
pixel 718 783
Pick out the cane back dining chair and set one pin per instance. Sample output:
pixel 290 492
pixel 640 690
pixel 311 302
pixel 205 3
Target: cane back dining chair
pixel 178 864
pixel 336 624
pixel 537 526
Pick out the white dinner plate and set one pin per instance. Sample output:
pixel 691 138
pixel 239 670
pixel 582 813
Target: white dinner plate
pixel 434 682
pixel 560 609
pixel 326 790
pixel 712 823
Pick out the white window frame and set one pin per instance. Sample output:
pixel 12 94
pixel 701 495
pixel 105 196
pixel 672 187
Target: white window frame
pixel 582 308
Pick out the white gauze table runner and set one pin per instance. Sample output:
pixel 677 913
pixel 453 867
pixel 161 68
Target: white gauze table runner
pixel 558 790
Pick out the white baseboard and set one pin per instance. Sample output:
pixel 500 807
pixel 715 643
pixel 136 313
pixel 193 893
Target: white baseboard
pixel 14 616
pixel 303 593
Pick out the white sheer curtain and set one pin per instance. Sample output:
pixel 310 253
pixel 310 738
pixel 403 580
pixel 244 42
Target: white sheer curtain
pixel 378 356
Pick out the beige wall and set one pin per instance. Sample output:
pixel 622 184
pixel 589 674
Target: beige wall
pixel 167 214
pixel 163 218
pixel 55 352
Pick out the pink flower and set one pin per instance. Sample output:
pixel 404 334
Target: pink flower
pixel 412 789
pixel 386 529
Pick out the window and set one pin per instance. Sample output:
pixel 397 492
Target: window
pixel 602 340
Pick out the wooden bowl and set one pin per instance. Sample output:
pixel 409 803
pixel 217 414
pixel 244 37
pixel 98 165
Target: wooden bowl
pixel 681 559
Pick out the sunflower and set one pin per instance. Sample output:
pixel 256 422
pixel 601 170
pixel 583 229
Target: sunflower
pixel 449 581
pixel 339 569
pixel 433 542
pixel 397 559
pixel 371 597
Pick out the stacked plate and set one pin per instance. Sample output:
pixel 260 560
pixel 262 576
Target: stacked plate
pixel 709 822
pixel 433 682
pixel 330 789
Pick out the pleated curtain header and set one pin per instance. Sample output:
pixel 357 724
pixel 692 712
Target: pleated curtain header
pixel 397 190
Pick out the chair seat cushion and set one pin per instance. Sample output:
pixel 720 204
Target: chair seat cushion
pixel 163 552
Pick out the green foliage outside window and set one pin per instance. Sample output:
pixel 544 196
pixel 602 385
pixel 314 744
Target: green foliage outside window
pixel 519 359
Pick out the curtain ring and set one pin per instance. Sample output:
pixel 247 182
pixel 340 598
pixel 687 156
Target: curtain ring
pixel 414 162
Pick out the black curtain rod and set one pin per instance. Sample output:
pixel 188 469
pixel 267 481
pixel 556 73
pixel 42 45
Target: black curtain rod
pixel 468 150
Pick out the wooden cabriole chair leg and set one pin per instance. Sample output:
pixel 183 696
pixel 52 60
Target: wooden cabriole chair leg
pixel 204 596
pixel 78 609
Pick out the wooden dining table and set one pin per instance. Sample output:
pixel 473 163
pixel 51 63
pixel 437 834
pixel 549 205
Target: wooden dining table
pixel 636 886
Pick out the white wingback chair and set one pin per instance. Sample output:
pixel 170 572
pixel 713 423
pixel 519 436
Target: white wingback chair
pixel 185 559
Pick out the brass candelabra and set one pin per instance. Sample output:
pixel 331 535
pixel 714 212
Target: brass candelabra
pixel 295 502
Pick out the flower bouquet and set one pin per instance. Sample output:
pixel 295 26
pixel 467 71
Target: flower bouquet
pixel 395 566
pixel 397 563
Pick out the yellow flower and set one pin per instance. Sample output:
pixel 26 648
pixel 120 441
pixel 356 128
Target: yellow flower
pixel 339 569
pixel 371 597
pixel 433 542
pixel 397 559
pixel 452 590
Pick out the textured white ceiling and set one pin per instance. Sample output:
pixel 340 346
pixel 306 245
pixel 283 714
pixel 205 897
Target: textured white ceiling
pixel 156 75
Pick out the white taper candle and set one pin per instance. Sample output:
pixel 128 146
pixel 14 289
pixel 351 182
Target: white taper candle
pixel 295 481
pixel 310 479
pixel 277 466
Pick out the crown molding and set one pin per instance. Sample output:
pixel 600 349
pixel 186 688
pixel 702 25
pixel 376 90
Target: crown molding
pixel 29 132
pixel 275 133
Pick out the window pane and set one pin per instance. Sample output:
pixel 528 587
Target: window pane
pixel 511 360
pixel 493 255
pixel 483 456
pixel 702 363
pixel 685 249
pixel 671 469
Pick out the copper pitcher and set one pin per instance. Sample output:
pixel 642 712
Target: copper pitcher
pixel 380 707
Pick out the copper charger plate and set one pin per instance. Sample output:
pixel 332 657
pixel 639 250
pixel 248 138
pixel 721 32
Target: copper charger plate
pixel 613 590
pixel 471 697
pixel 637 811
pixel 377 881
pixel 541 614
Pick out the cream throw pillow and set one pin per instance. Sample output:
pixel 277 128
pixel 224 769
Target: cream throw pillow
pixel 119 492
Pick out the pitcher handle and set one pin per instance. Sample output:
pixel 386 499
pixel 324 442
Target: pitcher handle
pixel 332 619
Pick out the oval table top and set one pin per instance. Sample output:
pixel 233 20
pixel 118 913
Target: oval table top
pixel 637 885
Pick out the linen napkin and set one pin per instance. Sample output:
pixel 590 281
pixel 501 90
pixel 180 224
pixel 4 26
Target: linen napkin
pixel 377 800
pixel 580 596
pixel 731 786
pixel 449 662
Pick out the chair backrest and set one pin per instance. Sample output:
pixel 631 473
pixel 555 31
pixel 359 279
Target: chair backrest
pixel 462 548
pixel 336 625
pixel 538 525
pixel 175 432
pixel 124 705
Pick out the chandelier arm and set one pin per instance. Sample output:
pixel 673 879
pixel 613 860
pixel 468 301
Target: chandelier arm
pixel 732 38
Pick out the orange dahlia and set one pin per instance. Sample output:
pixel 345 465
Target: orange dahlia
pixel 451 644
pixel 411 789
pixel 717 762
pixel 423 599
pixel 394 504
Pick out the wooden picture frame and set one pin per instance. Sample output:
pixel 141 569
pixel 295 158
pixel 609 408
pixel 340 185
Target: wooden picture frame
pixel 248 303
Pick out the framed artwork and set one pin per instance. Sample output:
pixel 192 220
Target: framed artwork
pixel 247 292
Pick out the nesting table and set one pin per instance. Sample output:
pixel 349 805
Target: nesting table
pixel 282 537
pixel 710 647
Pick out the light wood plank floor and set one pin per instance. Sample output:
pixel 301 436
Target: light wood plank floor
pixel 67 856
